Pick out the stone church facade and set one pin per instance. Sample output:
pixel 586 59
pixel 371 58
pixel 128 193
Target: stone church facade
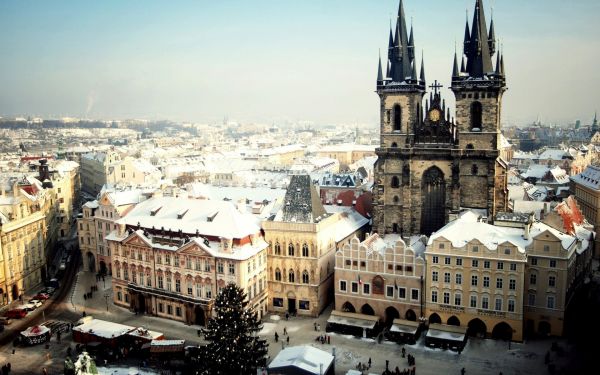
pixel 430 165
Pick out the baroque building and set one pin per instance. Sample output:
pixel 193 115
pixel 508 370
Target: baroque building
pixel 431 166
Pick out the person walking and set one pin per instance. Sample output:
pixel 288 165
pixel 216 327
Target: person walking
pixel 276 337
pixel 369 362
pixel 462 371
pixel 288 339
pixel 285 331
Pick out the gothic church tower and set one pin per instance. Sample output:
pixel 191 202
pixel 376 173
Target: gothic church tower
pixel 430 166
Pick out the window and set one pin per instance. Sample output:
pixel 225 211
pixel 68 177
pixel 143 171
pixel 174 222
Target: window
pixel 168 283
pixel 457 299
pixel 304 250
pixel 208 292
pixel 120 296
pixel 435 259
pixel 531 299
pixel 485 303
pixel 277 302
pixel 305 277
pixel 474 280
pixel 476 116
pixel 177 285
pixel 498 306
pixel 550 302
pixel 474 263
pixel 190 289
pixel 161 308
pixel 291 250
pixel 354 287
pixel 206 266
pixel 486 264
pixel 486 281
pixel 512 284
pixel 441 246
pixel 475 249
pixel 304 305
pixel 473 302
pixel 459 261
pixel 397 124
pixel 533 279
pixel 220 267
pixel 434 296
pixel 446 298
pixel 414 294
pixel 176 261
pixel 148 281
pixel 169 309
pixel 343 285
pixel 499 283
pixel 277 274
pixel 178 311
pixel 125 273
pixel 160 282
pixel 552 281
pixel 500 265
pixel 389 291
pixel 513 266
pixel 277 248
pixel 402 293
pixel 447 260
pixel 511 305
pixel 366 288
pixel 546 248
pixel 395 182
pixel 291 276
pixel 434 276
pixel 507 251
pixel 134 277
pixel 446 277
pixel 533 261
pixel 552 263
pixel 168 259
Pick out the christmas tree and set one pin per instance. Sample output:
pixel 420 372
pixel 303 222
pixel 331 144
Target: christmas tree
pixel 234 345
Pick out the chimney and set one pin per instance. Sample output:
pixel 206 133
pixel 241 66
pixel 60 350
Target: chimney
pixel 528 226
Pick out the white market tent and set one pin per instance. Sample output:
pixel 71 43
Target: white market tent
pixel 302 360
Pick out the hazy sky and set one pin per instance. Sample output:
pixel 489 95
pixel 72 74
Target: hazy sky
pixel 276 60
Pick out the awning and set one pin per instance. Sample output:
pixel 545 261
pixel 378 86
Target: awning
pixel 404 326
pixel 166 346
pixel 446 332
pixel 353 319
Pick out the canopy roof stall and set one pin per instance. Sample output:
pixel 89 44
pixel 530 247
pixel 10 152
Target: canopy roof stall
pixel 35 335
pixel 302 360
pixel 352 323
pixel 446 336
pixel 404 331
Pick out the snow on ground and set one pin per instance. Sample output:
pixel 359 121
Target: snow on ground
pixel 125 371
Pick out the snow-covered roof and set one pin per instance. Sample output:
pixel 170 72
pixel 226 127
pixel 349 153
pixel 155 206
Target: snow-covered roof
pixel 554 154
pixel 103 328
pixel 306 358
pixel 589 178
pixel 349 222
pixel 468 227
pixel 209 218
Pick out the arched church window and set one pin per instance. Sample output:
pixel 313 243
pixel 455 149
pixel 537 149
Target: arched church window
pixel 291 250
pixel 291 277
pixel 476 116
pixel 395 182
pixel 277 274
pixel 394 145
pixel 470 147
pixel 397 117
pixel 305 277
pixel 277 248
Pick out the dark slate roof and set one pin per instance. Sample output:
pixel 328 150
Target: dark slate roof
pixel 301 203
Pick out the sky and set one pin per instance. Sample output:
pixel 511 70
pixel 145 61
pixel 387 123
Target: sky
pixel 277 61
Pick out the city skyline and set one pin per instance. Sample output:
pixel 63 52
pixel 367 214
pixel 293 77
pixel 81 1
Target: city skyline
pixel 272 62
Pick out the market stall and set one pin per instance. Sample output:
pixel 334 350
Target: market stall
pixel 359 325
pixel 446 336
pixel 35 335
pixel 404 331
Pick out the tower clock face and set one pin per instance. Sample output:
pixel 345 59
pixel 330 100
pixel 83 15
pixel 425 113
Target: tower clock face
pixel 434 115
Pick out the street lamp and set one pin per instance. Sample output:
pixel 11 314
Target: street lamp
pixel 106 295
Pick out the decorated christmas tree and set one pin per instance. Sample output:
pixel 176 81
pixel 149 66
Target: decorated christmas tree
pixel 234 345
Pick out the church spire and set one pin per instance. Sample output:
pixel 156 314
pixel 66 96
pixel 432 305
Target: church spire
pixel 411 44
pixel 379 72
pixel 467 35
pixel 479 58
pixel 423 69
pixel 498 65
pixel 401 63
pixel 455 73
pixel 492 37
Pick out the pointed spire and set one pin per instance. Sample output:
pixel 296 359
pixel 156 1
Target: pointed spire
pixel 413 73
pixel 492 36
pixel 462 64
pixel 389 73
pixel 479 58
pixel 502 72
pixel 455 73
pixel 422 68
pixel 379 72
pixel 467 33
pixel 498 65
pixel 411 44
